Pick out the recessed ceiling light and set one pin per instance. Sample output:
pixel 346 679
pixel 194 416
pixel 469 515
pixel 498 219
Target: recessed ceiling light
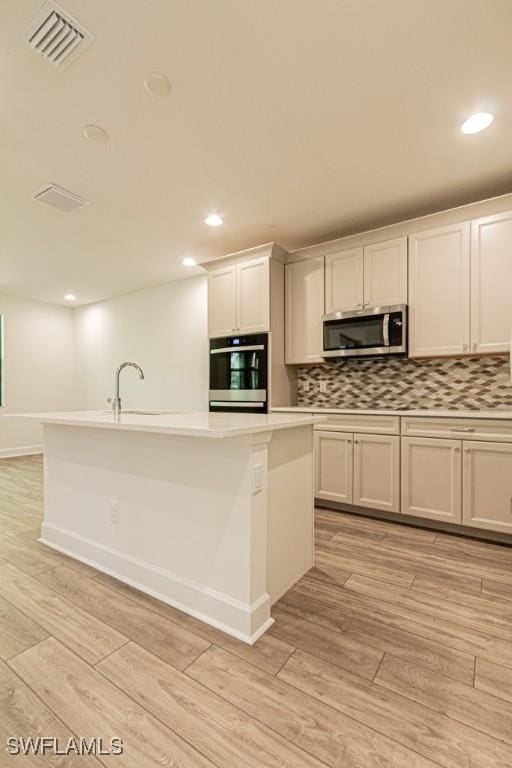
pixel 157 84
pixel 477 122
pixel 70 297
pixel 189 262
pixel 95 133
pixel 214 220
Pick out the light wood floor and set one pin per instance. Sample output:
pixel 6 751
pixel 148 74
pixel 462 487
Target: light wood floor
pixel 395 651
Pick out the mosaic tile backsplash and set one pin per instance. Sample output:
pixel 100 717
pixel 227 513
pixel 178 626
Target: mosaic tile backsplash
pixel 475 383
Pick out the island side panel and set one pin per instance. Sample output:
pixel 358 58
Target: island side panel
pixel 191 530
pixel 290 509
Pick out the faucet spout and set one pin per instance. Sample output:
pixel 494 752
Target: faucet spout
pixel 116 402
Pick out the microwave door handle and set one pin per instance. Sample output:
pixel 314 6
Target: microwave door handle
pixel 385 330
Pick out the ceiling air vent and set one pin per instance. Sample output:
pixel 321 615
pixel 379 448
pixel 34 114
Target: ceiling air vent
pixel 59 198
pixel 56 36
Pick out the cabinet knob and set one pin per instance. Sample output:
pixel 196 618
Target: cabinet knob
pixel 467 450
pixel 457 450
pixel 356 442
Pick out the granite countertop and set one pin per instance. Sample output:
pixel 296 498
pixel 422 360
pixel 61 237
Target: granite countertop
pixel 195 424
pixel 489 414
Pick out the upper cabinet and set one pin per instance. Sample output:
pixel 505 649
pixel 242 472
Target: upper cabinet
pixel 304 307
pixel 439 280
pixel 385 273
pixel 373 276
pixel 344 281
pixel 239 298
pixel 222 302
pixel 491 283
pixel 459 279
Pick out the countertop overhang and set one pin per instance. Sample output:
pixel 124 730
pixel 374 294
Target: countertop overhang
pixel 194 424
pixel 431 413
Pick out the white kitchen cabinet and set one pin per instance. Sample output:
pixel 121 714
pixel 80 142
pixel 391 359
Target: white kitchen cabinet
pixel 304 307
pixel 344 281
pixel 222 302
pixel 377 472
pixel 385 273
pixel 373 276
pixel 487 487
pixel 439 287
pixel 334 466
pixel 253 296
pixel 491 283
pixel 239 298
pixel 432 478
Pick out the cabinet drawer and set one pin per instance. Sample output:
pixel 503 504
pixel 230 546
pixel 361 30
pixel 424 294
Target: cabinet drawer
pixel 375 425
pixel 499 430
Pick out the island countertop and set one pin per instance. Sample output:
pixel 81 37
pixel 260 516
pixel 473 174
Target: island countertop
pixel 193 424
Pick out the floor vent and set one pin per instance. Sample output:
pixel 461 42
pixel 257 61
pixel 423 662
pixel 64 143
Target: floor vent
pixel 59 198
pixel 56 36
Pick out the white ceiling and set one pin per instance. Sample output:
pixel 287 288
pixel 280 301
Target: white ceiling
pixel 298 120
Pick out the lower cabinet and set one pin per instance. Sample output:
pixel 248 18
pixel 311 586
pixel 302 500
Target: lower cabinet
pixel 432 478
pixel 334 463
pixel 487 486
pixel 358 469
pixel 461 480
pixel 377 472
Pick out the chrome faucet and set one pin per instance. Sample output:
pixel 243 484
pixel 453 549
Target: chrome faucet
pixel 116 401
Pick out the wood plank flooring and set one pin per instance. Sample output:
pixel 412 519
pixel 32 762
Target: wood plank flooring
pixel 394 651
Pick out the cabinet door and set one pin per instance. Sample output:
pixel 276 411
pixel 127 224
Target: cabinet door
pixel 344 281
pixel 253 296
pixel 222 302
pixel 439 291
pixel 333 466
pixel 487 489
pixel 491 283
pixel 432 478
pixel 385 273
pixel 377 472
pixel 304 307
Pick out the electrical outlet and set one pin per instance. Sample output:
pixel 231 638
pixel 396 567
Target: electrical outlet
pixel 114 511
pixel 322 386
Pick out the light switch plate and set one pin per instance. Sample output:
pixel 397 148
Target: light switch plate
pixel 323 386
pixel 257 478
pixel 114 511
pixel 305 386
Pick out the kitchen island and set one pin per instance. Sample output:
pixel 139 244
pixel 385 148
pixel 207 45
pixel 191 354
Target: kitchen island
pixel 211 513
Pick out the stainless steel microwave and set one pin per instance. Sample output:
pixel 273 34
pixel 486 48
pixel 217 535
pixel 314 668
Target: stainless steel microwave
pixel 366 332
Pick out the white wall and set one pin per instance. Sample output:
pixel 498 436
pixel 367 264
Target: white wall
pixel 38 367
pixel 163 329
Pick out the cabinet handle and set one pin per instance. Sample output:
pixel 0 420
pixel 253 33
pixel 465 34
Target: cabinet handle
pixel 462 429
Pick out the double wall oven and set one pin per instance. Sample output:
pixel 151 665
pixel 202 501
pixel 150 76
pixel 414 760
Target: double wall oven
pixel 239 373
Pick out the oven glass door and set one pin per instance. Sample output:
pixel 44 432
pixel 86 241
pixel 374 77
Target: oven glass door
pixel 238 369
pixel 364 332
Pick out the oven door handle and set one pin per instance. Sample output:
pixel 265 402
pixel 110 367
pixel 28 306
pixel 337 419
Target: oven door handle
pixel 253 348
pixel 385 330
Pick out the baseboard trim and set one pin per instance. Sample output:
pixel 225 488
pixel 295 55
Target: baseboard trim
pixel 246 622
pixel 25 450
pixel 481 534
